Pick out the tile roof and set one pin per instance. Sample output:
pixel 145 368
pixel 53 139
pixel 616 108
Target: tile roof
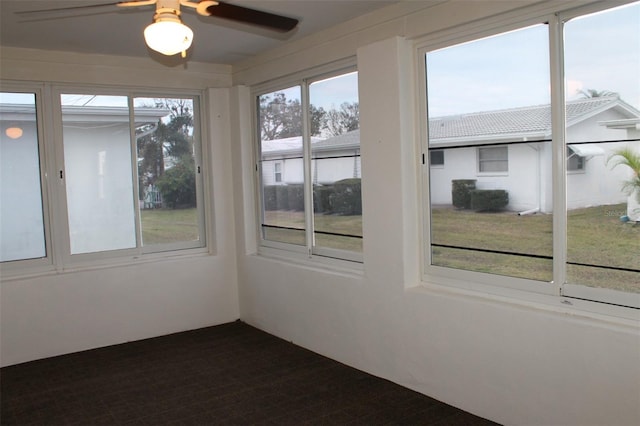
pixel 521 121
pixel 515 122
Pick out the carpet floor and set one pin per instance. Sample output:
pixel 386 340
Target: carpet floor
pixel 231 374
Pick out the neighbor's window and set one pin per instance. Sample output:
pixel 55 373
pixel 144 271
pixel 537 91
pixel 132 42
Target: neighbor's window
pixel 110 204
pixel 310 167
pixel 436 157
pixel 493 159
pixel 277 172
pixel 574 161
pixel 22 230
pixel 491 98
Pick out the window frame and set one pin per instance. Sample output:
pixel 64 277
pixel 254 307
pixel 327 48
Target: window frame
pixel 595 299
pixel 324 255
pixel 57 240
pixel 505 161
pixel 43 124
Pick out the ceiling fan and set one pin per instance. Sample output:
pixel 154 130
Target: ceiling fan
pixel 169 36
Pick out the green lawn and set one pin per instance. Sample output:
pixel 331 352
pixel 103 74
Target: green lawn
pixel 160 226
pixel 596 237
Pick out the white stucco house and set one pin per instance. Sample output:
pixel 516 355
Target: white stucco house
pixel 334 158
pixel 506 149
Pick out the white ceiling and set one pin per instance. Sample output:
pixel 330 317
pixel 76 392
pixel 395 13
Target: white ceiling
pixel 112 30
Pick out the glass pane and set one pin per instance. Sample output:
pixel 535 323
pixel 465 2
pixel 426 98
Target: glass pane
pixel 603 122
pixel 21 216
pixel 335 168
pixel 280 121
pixel 98 173
pixel 489 111
pixel 165 142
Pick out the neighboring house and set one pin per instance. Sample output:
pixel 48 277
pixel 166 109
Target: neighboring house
pixel 470 149
pixel 97 144
pixel 333 159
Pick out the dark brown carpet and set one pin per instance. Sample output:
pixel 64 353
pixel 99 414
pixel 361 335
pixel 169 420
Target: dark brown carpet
pixel 232 374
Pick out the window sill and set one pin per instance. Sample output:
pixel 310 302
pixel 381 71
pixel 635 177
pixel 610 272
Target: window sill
pixel 319 263
pixel 575 308
pixel 17 274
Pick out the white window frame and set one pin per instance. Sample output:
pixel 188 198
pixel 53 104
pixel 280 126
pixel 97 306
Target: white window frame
pixel 479 161
pixel 323 255
pixel 51 145
pixel 278 171
pixel 595 299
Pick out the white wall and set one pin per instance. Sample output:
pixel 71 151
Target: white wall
pixel 73 310
pixel 516 360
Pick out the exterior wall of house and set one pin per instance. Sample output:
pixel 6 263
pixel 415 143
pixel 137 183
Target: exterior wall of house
pixel 343 164
pixel 21 229
pixel 99 184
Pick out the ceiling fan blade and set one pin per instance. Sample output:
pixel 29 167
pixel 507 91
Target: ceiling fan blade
pixel 65 9
pixel 252 16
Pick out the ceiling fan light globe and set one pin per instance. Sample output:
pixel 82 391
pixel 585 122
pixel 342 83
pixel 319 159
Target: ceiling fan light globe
pixel 168 37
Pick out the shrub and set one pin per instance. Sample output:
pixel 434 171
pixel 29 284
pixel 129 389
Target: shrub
pixel 322 199
pixel 282 197
pixel 489 199
pixel 347 198
pixel 295 197
pixel 178 184
pixel 461 192
pixel 269 197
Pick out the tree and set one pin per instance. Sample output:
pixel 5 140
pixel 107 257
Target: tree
pixel 281 118
pixel 165 144
pixel 592 93
pixel 627 157
pixel 343 120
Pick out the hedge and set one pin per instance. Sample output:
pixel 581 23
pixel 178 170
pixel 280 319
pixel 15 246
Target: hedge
pixel 347 198
pixel 489 199
pixel 343 197
pixel 461 192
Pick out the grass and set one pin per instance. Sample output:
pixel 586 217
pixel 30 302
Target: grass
pixel 161 226
pixel 595 237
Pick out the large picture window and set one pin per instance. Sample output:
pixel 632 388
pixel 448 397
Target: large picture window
pixel 555 199
pixel 310 180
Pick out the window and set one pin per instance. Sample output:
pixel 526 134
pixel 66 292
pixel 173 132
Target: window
pixel 493 159
pixel 110 204
pixel 22 224
pixel 127 178
pixel 574 161
pixel 491 97
pixel 310 176
pixel 277 172
pixel 436 157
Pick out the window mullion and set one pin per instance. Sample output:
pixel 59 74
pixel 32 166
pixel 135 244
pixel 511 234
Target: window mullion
pixel 559 173
pixel 308 184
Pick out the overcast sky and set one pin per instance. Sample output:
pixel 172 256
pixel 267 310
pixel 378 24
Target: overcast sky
pixel 602 52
